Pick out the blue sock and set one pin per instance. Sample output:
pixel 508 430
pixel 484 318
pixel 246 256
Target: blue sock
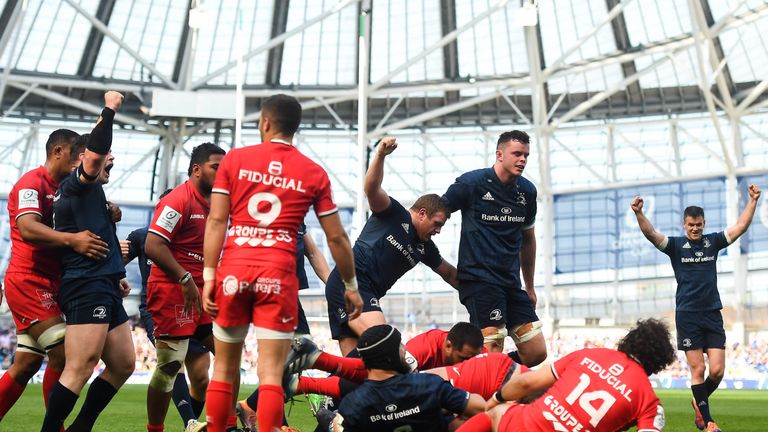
pixel 197 406
pixel 61 402
pixel 100 393
pixel 253 400
pixel 181 399
pixel 702 400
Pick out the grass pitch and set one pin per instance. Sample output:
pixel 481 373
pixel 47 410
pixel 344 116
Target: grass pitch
pixel 734 410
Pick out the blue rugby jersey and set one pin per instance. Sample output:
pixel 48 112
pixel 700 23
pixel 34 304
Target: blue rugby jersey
pixel 493 216
pixel 695 267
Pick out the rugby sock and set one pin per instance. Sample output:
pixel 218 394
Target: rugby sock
pixel 271 408
pixel 711 386
pixel 352 369
pixel 100 393
pixel 702 401
pixel 60 403
pixel 514 355
pixel 182 400
pixel 50 378
pixel 253 400
pixel 325 386
pixel 479 423
pixel 219 407
pixel 155 428
pixel 197 406
pixel 232 422
pixel 11 392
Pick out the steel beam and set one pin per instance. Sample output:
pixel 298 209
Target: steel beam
pixel 95 38
pixel 623 43
pixel 9 18
pixel 450 50
pixel 275 56
pixel 14 21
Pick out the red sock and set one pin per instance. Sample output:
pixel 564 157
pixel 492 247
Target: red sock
pixel 324 386
pixel 50 378
pixel 155 428
pixel 479 423
pixel 352 369
pixel 271 408
pixel 232 422
pixel 10 392
pixel 218 405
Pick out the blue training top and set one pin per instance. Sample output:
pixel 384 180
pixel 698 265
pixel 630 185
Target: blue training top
pixel 408 402
pixel 695 267
pixel 77 207
pixel 493 216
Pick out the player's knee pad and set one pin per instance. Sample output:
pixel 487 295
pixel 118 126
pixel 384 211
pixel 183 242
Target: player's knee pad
pixel 494 335
pixel 525 332
pixel 230 334
pixel 169 361
pixel 52 336
pixel 28 344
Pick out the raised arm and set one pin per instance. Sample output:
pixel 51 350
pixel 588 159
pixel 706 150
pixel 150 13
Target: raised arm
pixel 378 199
pixel 100 140
pixel 745 219
pixel 316 259
pixel 341 251
pixel 646 227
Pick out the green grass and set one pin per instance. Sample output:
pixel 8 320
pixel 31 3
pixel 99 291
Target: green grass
pixel 742 411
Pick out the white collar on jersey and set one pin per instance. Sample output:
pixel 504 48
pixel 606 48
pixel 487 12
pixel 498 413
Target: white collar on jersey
pixel 275 140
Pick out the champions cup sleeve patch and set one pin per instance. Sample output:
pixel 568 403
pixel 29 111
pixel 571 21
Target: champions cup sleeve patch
pixel 168 219
pixel 28 198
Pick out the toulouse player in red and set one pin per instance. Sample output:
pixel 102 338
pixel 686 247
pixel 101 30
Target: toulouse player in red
pixel 34 270
pixel 175 245
pixel 599 389
pixel 260 197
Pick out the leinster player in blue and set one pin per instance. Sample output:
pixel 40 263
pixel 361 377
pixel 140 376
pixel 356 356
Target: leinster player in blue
pixel 498 211
pixel 392 242
pixel 392 399
pixel 92 287
pixel 698 318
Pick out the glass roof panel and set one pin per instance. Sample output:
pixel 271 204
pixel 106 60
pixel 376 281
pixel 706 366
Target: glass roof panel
pixel 681 70
pixel 325 53
pixel 401 30
pixel 652 21
pixel 151 28
pixel 217 45
pixel 720 8
pixel 42 46
pixel 747 51
pixel 494 46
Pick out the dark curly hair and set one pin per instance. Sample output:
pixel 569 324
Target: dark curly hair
pixel 649 344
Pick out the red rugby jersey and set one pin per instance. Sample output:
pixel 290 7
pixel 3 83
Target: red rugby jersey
pixel 33 193
pixel 271 187
pixel 180 219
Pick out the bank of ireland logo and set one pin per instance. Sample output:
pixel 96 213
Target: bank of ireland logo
pixel 495 315
pixel 506 210
pixel 391 408
pixel 229 286
pixel 699 253
pixel 687 343
pixel 100 312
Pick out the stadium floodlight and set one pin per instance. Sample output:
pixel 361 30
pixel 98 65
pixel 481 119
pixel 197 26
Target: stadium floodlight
pixel 527 15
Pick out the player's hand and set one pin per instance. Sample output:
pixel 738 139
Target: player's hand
pixel 125 288
pixel 209 305
pixel 387 145
pixel 754 192
pixel 89 245
pixel 531 295
pixel 637 204
pixel 191 297
pixel 114 212
pixel 125 249
pixel 113 100
pixel 491 403
pixel 354 303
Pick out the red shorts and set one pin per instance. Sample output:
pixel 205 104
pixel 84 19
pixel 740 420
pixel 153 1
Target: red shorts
pixel 31 298
pixel 265 296
pixel 514 419
pixel 483 374
pixel 165 303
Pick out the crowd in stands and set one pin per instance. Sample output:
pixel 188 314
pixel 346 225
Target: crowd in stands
pixel 743 361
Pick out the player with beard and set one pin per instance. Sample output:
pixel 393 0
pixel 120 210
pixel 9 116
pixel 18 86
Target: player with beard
pixel 175 246
pixel 92 287
pixel 34 270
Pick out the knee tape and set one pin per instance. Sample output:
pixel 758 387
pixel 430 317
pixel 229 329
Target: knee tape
pixel 169 362
pixel 52 337
pixel 230 334
pixel 494 335
pixel 525 332
pixel 28 344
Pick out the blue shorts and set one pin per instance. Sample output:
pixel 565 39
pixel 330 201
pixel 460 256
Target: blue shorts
pixel 94 300
pixel 337 314
pixel 303 326
pixel 491 306
pixel 699 330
